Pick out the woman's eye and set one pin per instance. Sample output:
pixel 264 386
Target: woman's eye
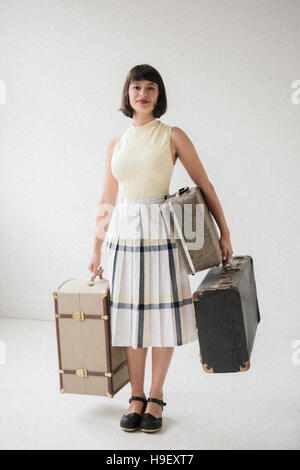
pixel 151 87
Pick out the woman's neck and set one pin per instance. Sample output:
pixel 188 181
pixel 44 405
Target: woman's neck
pixel 141 120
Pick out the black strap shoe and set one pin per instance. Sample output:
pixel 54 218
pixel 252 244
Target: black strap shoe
pixel 131 422
pixel 150 423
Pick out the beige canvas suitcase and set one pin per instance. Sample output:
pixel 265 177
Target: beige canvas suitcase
pixel 88 364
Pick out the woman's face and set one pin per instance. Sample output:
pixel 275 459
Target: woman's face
pixel 143 96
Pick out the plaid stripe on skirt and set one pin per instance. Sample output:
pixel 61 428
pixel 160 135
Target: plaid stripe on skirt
pixel 151 299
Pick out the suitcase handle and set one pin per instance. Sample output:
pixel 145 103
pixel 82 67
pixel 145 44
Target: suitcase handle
pixel 97 273
pixel 226 265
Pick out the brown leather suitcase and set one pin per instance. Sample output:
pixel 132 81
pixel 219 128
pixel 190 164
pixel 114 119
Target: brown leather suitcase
pixel 88 364
pixel 227 316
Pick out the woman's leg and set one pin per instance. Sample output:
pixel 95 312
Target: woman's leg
pixel 136 359
pixel 161 359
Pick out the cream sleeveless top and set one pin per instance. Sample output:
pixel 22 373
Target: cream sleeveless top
pixel 142 160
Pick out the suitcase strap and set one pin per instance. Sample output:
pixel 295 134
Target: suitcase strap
pixel 85 373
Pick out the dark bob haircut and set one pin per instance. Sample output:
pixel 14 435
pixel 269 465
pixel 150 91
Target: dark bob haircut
pixel 144 72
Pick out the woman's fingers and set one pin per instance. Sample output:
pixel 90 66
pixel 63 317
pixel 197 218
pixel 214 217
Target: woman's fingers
pixel 226 247
pixel 91 268
pixel 229 256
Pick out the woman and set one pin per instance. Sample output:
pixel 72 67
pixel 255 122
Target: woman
pixel 151 300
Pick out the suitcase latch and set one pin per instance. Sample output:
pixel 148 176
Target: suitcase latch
pixel 83 373
pixel 182 190
pixel 79 316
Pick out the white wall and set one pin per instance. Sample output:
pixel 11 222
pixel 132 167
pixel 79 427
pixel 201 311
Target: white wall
pixel 228 67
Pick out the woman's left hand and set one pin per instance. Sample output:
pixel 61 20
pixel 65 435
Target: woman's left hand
pixel 226 247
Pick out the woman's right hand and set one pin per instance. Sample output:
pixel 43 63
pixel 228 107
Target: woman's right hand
pixel 94 263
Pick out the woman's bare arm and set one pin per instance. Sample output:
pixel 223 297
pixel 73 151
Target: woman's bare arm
pixel 191 161
pixel 186 151
pixel 109 193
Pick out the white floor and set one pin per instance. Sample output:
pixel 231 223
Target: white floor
pixel 259 409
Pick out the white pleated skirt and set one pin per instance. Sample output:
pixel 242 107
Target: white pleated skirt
pixel 150 295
